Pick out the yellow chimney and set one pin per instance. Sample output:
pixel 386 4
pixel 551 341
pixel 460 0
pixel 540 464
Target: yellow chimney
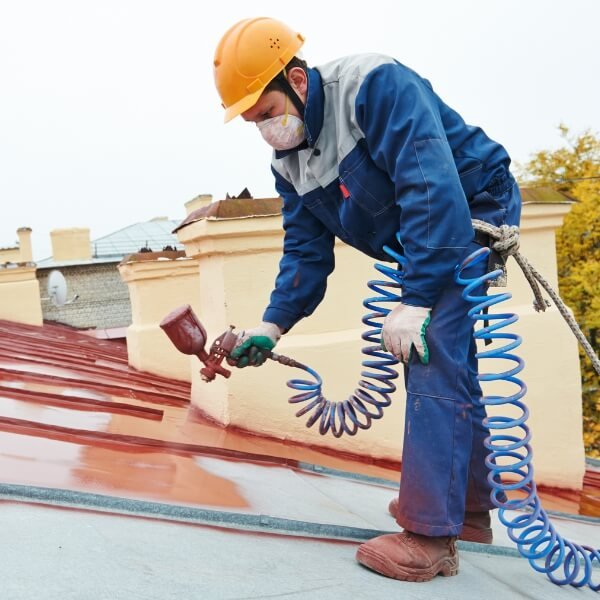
pixel 10 255
pixel 198 202
pixel 71 244
pixel 25 251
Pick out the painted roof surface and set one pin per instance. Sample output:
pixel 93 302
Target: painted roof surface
pixel 238 208
pixel 234 208
pixel 158 233
pixel 162 503
pixel 155 234
pixel 86 421
pixel 546 195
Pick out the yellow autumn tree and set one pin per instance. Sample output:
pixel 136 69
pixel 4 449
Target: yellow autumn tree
pixel 575 170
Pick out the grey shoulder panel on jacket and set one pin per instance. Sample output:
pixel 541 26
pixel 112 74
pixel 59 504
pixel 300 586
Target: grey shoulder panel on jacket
pixel 340 133
pixel 353 67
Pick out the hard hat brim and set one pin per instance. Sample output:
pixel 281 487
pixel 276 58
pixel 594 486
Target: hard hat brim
pixel 242 105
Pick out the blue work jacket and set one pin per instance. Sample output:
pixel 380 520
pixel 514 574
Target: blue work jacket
pixel 384 154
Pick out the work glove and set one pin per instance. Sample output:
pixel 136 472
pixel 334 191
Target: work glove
pixel 252 344
pixel 404 329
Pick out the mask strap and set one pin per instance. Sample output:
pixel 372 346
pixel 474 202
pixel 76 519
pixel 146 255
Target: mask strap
pixel 290 92
pixel 287 112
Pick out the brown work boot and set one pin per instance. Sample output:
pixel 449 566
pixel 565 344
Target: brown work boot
pixel 409 556
pixel 476 526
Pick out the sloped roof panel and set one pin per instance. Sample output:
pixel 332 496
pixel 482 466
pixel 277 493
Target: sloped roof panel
pixel 155 234
pixel 81 429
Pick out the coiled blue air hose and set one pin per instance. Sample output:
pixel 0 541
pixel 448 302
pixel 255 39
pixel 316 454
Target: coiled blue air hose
pixel 510 454
pixel 368 400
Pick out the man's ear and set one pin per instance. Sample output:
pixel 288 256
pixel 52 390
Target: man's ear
pixel 299 81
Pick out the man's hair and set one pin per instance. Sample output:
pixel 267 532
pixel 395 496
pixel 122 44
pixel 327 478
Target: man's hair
pixel 275 85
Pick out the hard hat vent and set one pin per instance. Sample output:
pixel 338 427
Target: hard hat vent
pixel 274 43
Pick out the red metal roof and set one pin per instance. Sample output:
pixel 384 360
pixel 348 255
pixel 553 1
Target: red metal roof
pixel 74 415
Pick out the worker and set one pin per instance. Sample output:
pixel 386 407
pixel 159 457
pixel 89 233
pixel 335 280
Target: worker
pixel 364 150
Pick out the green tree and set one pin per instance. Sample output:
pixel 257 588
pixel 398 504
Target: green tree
pixel 575 170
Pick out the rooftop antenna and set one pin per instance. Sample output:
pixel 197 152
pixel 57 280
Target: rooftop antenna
pixel 57 289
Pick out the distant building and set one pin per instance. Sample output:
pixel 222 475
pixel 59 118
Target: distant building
pixel 90 270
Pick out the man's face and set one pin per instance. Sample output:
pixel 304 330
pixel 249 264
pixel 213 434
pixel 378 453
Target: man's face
pixel 275 103
pixel 270 104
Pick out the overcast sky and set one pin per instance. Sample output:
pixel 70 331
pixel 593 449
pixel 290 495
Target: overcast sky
pixel 108 113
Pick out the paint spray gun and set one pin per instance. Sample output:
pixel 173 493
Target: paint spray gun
pixel 188 335
pixel 348 416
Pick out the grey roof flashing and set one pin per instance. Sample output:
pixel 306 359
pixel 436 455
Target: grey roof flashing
pixel 50 263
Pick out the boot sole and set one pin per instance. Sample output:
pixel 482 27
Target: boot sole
pixel 446 567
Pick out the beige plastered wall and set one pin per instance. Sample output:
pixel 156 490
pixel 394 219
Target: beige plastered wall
pixel 550 351
pixel 238 261
pixel 20 294
pixel 156 287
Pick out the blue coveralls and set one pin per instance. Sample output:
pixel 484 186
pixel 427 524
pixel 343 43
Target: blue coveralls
pixel 383 155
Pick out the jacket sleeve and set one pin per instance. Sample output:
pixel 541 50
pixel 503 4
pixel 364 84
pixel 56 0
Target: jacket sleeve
pixel 307 261
pixel 399 115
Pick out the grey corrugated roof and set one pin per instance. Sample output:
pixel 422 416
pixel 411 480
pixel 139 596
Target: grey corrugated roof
pixel 155 234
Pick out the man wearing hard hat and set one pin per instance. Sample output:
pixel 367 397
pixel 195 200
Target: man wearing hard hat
pixel 366 151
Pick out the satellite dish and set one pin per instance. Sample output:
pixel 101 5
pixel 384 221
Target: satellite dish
pixel 57 289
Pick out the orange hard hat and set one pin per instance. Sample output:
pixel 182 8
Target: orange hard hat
pixel 248 57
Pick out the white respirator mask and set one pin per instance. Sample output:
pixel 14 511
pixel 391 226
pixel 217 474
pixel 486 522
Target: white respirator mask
pixel 283 132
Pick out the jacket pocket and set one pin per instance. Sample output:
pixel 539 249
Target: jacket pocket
pixel 470 171
pixel 448 216
pixel 365 183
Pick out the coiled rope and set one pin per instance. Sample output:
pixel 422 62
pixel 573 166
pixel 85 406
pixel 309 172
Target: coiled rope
pixel 507 243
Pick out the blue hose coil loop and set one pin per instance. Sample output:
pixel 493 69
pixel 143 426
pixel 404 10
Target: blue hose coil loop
pixel 531 530
pixel 367 402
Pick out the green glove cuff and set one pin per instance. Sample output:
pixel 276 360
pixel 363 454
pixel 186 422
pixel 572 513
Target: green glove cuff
pixel 260 341
pixel 425 358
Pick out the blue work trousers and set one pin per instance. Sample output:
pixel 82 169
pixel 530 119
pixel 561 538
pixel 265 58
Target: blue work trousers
pixel 443 460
